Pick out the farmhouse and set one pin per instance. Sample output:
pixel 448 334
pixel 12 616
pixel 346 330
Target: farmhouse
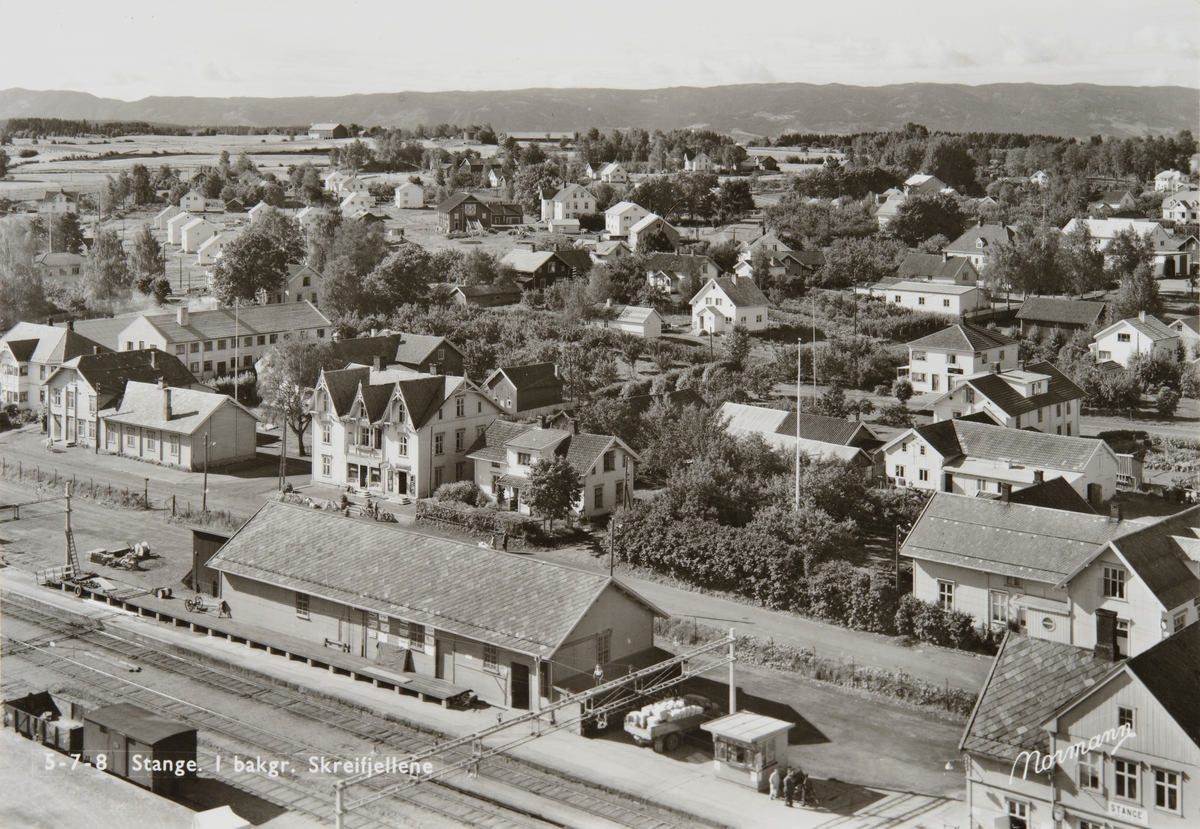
pixel 195 233
pixel 63 268
pixel 464 212
pixel 510 628
pixel 724 302
pixel 1066 314
pixel 1144 334
pixel 409 196
pixel 59 201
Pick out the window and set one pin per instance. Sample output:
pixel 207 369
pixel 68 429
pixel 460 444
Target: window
pixel 1068 409
pixel 491 658
pixel 1114 583
pixel 460 406
pixel 247 361
pixel 208 365
pixel 1040 415
pixel 439 475
pixel 247 342
pixel 523 458
pixel 758 318
pixel 1058 410
pixel 402 445
pixel 70 398
pixel 439 443
pixel 459 469
pixel 920 300
pixel 998 602
pixel 441 354
pixel 945 303
pixel 274 339
pixel 58 397
pixel 326 433
pixel 1180 621
pixel 194 348
pixel 208 346
pixel 922 474
pixel 306 282
pixel 1012 581
pixel 1125 779
pixel 921 449
pixel 952 359
pixel 1166 790
pixel 130 440
pixel 326 466
pixel 945 595
pixel 193 367
pixel 896 298
pixel 1001 354
pixel 416 635
pixel 604 647
pixel 1122 643
pixel 262 340
pixel 970 395
pixel 1018 815
pixel 180 349
pixel 610 461
pixel 598 497
pixel 220 345
pixel 460 438
pixel 174 445
pixel 899 471
pixel 619 497
pixel 151 441
pixel 918 356
pixel 1122 338
pixel 302 605
pixel 1125 717
pixel 1091 770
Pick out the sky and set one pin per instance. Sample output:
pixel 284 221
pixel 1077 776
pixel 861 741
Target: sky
pixel 129 49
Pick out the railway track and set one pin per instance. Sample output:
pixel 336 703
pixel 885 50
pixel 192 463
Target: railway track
pixel 396 737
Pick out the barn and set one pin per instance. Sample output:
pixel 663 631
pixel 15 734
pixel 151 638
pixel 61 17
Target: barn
pixel 326 131
pixel 510 628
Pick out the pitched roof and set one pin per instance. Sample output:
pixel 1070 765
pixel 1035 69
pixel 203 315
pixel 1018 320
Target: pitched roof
pixel 454 201
pixel 1156 553
pixel 622 207
pixel 54 344
pixel 742 292
pixel 1029 681
pixel 1059 388
pixel 363 350
pixel 769 425
pixel 933 265
pixel 414 349
pixel 1066 311
pixel 514 602
pixel 963 337
pixel 471 291
pixel 255 319
pixel 1035 449
pixel 677 262
pixel 490 446
pixel 1171 672
pixel 931 287
pixel 1009 539
pixel 342 385
pixel 103 330
pixel 583 449
pixel 110 371
pixel 992 235
pixel 1186 323
pixel 527 261
pixel 423 395
pixel 59 259
pixel 648 221
pixel 22 350
pixel 142 405
pixel 808 258
pixel 577 259
pixel 538 439
pixel 532 376
pixel 821 428
pixel 1056 493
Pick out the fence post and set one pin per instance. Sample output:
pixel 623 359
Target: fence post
pixel 172 506
pixel 21 470
pixel 39 473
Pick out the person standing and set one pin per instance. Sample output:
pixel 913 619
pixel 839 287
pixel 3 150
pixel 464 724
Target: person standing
pixel 789 787
pixel 776 778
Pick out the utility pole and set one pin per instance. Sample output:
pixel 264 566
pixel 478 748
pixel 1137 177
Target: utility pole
pixel 798 342
pixel 814 350
pixel 204 495
pixel 732 680
pixel 96 442
pixel 612 531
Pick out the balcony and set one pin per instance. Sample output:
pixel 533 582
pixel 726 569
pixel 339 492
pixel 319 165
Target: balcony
pixel 360 451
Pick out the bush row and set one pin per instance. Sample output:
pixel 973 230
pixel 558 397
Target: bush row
pixel 752 650
pixel 481 522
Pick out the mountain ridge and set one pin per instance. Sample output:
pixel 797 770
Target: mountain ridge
pixel 1078 110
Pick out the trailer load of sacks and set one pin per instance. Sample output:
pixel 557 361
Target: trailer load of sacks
pixel 669 710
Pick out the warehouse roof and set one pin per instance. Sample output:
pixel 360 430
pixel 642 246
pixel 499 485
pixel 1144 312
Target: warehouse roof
pixel 142 405
pixel 513 602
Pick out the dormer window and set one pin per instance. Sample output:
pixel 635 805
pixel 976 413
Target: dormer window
pixel 979 243
pixel 523 458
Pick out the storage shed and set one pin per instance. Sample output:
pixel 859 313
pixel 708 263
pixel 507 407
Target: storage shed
pixel 140 746
pixel 748 747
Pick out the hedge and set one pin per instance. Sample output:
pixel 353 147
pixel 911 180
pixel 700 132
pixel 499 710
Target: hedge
pixel 481 523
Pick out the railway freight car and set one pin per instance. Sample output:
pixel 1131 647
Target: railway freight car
pixel 36 716
pixel 144 748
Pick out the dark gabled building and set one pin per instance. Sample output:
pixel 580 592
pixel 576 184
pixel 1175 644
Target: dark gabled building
pixel 418 352
pixel 522 390
pixel 1067 314
pixel 486 296
pixel 537 270
pixel 463 212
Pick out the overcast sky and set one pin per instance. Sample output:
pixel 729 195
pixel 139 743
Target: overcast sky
pixel 129 49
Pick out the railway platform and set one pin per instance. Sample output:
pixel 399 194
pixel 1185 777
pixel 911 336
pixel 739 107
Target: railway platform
pixel 683 781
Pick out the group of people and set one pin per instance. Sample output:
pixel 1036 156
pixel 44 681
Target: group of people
pixel 790 784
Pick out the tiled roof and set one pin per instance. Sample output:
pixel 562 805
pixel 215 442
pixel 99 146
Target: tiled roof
pixel 821 428
pixel 109 371
pixel 1059 388
pixel 1034 449
pixel 1152 327
pixel 142 405
pixel 59 259
pixel 527 261
pixel 1156 555
pixel 363 350
pixel 1029 542
pixel 1056 493
pixel 422 396
pixel 1066 311
pixel 375 400
pixel 525 378
pixel 942 436
pixel 103 330
pixel 54 344
pixel 1171 672
pixel 992 235
pixel 538 439
pixel 1186 323
pixel 742 292
pixel 342 385
pixel 676 262
pixel 933 265
pixel 963 337
pixel 1030 680
pixel 583 450
pixel 414 349
pixel 257 319
pixel 490 446
pixel 514 602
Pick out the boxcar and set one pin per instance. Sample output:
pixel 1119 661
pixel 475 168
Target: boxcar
pixel 144 748
pixel 37 717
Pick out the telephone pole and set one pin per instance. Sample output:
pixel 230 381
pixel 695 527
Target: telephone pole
pixel 204 495
pixel 798 344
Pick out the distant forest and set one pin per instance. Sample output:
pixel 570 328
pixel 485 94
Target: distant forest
pixel 64 128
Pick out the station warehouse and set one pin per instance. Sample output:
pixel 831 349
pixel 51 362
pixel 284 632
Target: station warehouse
pixel 503 625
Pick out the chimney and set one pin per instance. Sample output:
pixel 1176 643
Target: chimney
pixel 376 364
pixel 95 349
pixel 70 325
pixel 49 319
pixel 1114 512
pixel 335 336
pixel 1039 477
pixel 166 402
pixel 1005 492
pixel 181 315
pixel 1106 634
pixel 979 222
pixel 995 368
pixel 1142 316
pixel 1020 365
pixel 608 302
pixel 555 369
pixel 574 426
pixel 152 365
pixel 374 332
pixel 541 421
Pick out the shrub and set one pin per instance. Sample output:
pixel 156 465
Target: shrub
pixel 463 492
pixel 1167 402
pixel 481 523
pixel 906 614
pixel 896 415
pixel 903 390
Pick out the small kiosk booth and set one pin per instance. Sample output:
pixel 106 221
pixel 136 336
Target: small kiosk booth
pixel 748 747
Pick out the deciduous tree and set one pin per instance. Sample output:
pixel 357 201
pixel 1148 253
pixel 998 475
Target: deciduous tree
pixel 287 375
pixel 106 272
pixel 146 261
pixel 554 488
